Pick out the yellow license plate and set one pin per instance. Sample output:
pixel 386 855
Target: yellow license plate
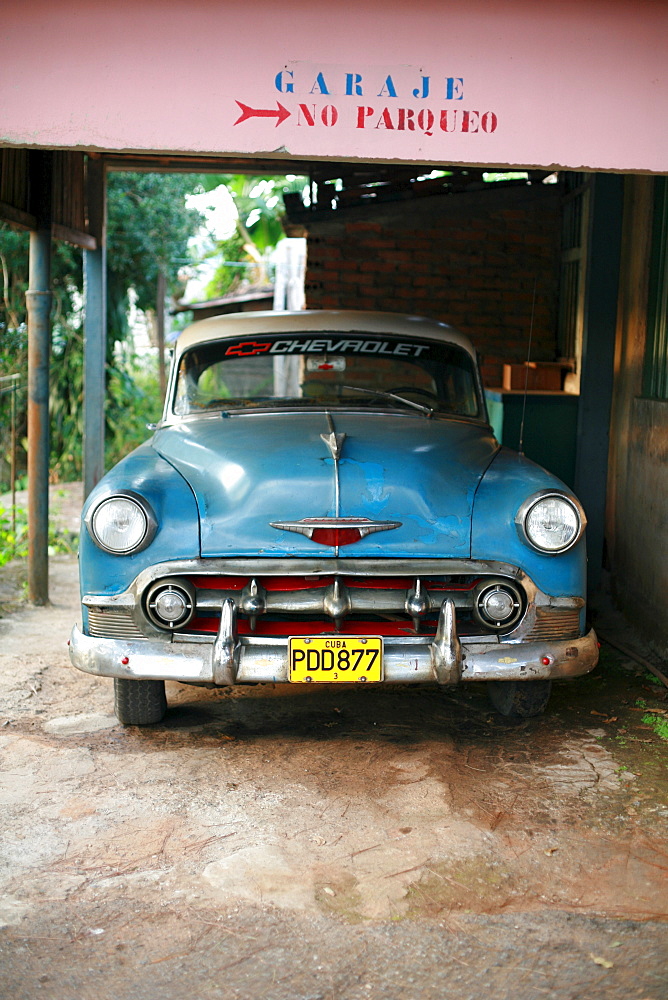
pixel 335 659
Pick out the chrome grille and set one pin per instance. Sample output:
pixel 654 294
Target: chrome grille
pixel 112 623
pixel 337 598
pixel 556 623
pixel 400 604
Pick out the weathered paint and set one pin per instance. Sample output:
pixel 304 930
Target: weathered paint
pixel 95 330
pixel 251 469
pixel 535 83
pixel 38 301
pixel 175 510
pixel 510 480
pixel 434 476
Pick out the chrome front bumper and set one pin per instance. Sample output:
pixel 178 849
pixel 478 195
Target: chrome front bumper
pixel 231 659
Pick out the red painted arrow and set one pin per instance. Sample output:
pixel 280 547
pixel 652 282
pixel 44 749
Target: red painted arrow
pixel 247 112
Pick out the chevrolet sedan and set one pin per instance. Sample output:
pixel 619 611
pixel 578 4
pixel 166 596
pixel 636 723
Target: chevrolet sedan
pixel 324 501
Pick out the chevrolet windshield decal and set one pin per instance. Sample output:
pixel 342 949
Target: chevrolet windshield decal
pixel 388 348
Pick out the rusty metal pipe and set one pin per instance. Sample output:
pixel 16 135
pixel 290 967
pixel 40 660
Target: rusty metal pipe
pixel 38 301
pixel 95 328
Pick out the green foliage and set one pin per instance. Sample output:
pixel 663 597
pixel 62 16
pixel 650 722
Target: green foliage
pixel 258 228
pixel 14 537
pixel 67 286
pixel 148 230
pixel 492 177
pixel 658 724
pixel 226 278
pixel 14 263
pixel 258 204
pixel 133 401
pixel 149 227
pixel 66 407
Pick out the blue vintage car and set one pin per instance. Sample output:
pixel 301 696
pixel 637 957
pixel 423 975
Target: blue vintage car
pixel 324 501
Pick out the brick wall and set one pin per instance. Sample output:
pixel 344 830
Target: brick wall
pixel 470 259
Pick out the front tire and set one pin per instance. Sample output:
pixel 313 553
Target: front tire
pixel 139 703
pixel 519 699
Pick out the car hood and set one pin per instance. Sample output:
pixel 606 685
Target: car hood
pixel 249 470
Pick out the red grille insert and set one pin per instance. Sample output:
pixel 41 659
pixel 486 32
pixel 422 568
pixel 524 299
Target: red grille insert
pixel 292 583
pixel 219 582
pixel 265 628
pixel 336 536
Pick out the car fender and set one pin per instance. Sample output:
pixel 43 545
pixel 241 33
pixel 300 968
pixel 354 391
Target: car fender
pixel 508 482
pixel 145 472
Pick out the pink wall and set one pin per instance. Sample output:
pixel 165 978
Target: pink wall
pixel 573 83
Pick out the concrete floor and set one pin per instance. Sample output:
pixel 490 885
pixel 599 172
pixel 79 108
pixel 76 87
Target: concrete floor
pixel 396 843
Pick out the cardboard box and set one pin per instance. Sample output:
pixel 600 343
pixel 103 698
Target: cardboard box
pixel 545 375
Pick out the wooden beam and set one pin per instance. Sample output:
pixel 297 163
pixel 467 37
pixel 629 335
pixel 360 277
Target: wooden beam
pixel 73 236
pixel 156 163
pixel 24 220
pixel 17 217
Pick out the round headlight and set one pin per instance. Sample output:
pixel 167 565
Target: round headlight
pixel 551 522
pixel 121 524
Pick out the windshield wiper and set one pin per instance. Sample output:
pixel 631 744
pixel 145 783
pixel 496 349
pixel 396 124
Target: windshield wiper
pixel 392 395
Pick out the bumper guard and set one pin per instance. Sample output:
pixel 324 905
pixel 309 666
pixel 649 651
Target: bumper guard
pixel 231 659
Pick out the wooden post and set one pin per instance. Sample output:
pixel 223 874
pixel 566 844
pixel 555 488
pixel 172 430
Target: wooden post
pixel 596 383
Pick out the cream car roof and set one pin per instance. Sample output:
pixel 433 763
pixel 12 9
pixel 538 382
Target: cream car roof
pixel 319 321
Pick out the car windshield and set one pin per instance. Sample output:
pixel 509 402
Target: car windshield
pixel 327 369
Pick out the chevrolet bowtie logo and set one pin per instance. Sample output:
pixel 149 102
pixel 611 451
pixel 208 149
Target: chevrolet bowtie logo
pixel 335 531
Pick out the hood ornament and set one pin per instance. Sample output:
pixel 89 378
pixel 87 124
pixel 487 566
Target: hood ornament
pixel 334 442
pixel 335 531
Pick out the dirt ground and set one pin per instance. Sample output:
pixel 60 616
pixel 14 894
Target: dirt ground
pixel 282 844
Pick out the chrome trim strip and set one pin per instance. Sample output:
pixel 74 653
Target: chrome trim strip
pixel 321 564
pixel 126 600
